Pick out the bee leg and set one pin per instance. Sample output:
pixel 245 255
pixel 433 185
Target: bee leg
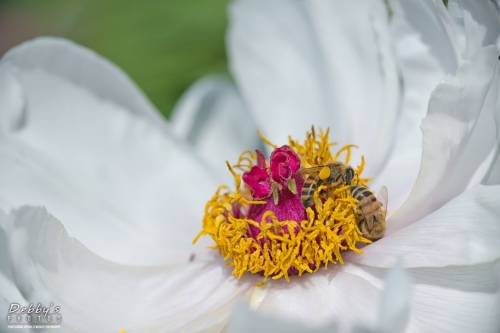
pixel 308 202
pixel 325 194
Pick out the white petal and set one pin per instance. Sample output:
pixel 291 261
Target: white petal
pixel 4 262
pixel 492 175
pixel 459 133
pixel 425 54
pixel 335 294
pixel 446 299
pixel 9 290
pixel 465 231
pixel 11 101
pixel 82 67
pixel 323 63
pixel 97 295
pixel 455 299
pixel 476 24
pixel 212 117
pixel 424 19
pixel 394 310
pixel 246 321
pixel 123 184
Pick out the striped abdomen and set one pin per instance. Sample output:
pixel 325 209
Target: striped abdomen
pixel 368 204
pixel 310 185
pixel 371 218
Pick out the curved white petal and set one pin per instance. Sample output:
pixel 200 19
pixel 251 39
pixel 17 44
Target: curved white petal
pixel 440 298
pixel 11 101
pixel 8 288
pixel 395 307
pixel 492 175
pixel 4 261
pixel 453 299
pixel 476 24
pixel 465 299
pixel 465 231
pixel 424 20
pixel 393 317
pixel 425 53
pixel 246 321
pixel 328 295
pixel 82 67
pixel 323 63
pixel 97 295
pixel 124 185
pixel 429 45
pixel 212 117
pixel 459 134
pixel 10 292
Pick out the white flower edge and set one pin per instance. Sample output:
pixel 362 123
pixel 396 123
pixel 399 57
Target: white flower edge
pixel 103 78
pixel 424 55
pixel 97 295
pixel 458 135
pixel 431 42
pixel 492 176
pixel 126 186
pixel 299 64
pixel 475 24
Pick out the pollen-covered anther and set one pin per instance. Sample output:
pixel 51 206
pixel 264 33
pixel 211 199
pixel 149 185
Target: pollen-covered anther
pixel 263 227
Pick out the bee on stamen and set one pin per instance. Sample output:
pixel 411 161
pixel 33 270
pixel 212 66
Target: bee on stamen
pixel 331 175
pixel 371 210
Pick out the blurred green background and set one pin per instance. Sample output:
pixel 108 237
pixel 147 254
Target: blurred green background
pixel 164 45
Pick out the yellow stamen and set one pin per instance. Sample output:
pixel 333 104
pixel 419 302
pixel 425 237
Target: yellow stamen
pixel 279 246
pixel 346 148
pixel 266 140
pixel 245 161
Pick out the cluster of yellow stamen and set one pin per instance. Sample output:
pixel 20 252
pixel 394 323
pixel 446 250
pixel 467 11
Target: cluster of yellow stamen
pixel 284 246
pixel 316 151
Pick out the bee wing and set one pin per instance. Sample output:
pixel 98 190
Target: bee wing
pixel 308 171
pixel 382 197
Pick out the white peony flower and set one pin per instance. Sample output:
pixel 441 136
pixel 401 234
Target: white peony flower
pixel 78 138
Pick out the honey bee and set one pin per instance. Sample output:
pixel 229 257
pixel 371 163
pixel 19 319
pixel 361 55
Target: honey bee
pixel 331 175
pixel 371 211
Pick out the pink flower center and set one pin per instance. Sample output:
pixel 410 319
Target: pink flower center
pixel 284 163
